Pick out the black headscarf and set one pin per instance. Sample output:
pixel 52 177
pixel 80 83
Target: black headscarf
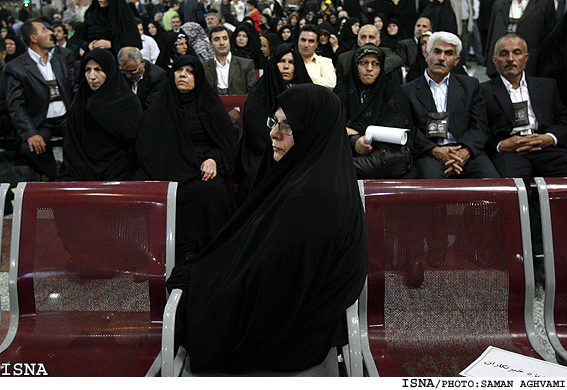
pixel 327 49
pixel 169 55
pixel 164 147
pixel 441 15
pixel 252 49
pixel 270 291
pixel 280 31
pixel 261 99
pixel 552 57
pixel 161 34
pixel 102 126
pixel 391 41
pixel 114 23
pixel 20 47
pixel 381 103
pixel 347 38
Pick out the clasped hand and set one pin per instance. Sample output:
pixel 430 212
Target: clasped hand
pixel 526 144
pixel 453 158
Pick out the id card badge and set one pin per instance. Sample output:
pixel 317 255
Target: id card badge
pixel 521 114
pixel 437 125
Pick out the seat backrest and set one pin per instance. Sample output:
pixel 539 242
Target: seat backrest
pixel 90 259
pixel 446 273
pixel 231 101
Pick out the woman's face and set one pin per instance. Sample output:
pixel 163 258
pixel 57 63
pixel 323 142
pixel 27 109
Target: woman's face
pixel 265 50
pixel 152 29
pixel 10 46
pixel 157 17
pixel 293 20
pixel 181 47
pixel 392 29
pixel 241 39
pixel 4 32
pixel 103 3
pixel 281 143
pixel 184 78
pixel 263 19
pixel 323 39
pixel 378 23
pixel 302 22
pixel 286 34
pixel 286 65
pixel 355 27
pixel 332 18
pixel 279 25
pixel 94 74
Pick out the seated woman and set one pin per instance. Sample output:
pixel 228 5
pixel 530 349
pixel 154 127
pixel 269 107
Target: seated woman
pixel 188 137
pixel 286 68
pixel 198 41
pixel 175 47
pixel 285 34
pixel 370 98
pixel 245 44
pixel 270 291
pixel 102 124
pixel 109 24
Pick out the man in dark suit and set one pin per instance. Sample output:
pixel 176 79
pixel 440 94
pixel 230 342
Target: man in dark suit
pixel 39 93
pixel 449 116
pixel 406 49
pixel 145 78
pixel 527 122
pixel 533 24
pixel 228 74
pixel 370 34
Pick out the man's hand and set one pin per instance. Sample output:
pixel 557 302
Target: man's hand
pixel 526 144
pixel 208 169
pixel 453 158
pixel 362 147
pixel 234 115
pixel 36 144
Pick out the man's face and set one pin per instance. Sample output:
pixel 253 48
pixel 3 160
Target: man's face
pixel 212 21
pixel 441 60
pixel 59 33
pixel 368 34
pixel 307 43
pixel 510 58
pixel 220 43
pixel 368 68
pixel 175 22
pixel 422 24
pixel 133 71
pixel 43 36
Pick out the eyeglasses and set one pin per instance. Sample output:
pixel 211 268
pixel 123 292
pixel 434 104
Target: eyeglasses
pixel 283 127
pixel 132 72
pixel 364 63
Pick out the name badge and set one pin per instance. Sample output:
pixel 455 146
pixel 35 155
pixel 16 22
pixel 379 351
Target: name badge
pixel 54 94
pixel 521 114
pixel 437 125
pixel 512 26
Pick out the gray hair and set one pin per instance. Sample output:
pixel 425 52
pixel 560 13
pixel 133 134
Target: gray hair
pixel 368 24
pixel 129 53
pixel 446 37
pixel 509 36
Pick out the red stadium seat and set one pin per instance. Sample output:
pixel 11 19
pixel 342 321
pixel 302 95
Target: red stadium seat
pixel 232 101
pixel 450 274
pixel 553 209
pixel 88 266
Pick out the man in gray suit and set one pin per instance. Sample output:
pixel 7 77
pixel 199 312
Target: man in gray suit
pixel 228 74
pixel 39 91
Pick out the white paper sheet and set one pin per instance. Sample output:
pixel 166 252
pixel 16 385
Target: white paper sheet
pixel 392 135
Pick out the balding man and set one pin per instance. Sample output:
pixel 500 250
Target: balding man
pixel 407 49
pixel 370 34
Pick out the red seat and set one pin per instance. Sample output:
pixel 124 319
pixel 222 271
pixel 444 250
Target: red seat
pixel 448 274
pixel 87 277
pixel 232 101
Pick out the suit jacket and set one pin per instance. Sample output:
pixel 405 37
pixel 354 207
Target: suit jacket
pixel 407 51
pixel 27 93
pixel 150 84
pixel 392 64
pixel 241 76
pixel 466 108
pixel 534 26
pixel 548 108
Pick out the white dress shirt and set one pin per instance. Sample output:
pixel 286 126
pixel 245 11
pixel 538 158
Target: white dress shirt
pixel 222 72
pixel 57 108
pixel 440 92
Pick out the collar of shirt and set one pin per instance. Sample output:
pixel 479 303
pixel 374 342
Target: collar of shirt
pixel 228 59
pixel 312 59
pixel 37 58
pixel 508 85
pixel 432 82
pixel 517 8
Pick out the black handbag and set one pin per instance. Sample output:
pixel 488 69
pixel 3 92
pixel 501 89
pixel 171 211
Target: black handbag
pixel 386 161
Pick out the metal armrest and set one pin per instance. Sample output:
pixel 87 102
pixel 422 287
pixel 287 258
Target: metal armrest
pixel 168 335
pixel 353 354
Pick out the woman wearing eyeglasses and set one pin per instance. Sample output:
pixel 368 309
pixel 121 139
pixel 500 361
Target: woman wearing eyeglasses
pixel 102 124
pixel 187 137
pixel 270 291
pixel 286 68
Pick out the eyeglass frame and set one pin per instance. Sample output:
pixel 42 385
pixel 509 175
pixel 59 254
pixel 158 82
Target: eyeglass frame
pixel 272 122
pixel 131 72
pixel 362 63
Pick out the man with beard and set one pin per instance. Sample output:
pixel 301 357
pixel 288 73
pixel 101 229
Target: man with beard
pixel 449 116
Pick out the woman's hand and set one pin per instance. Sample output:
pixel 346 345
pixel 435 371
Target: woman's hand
pixel 362 147
pixel 208 169
pixel 100 44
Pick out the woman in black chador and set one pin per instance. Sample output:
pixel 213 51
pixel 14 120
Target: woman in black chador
pixel 271 290
pixel 187 137
pixel 109 24
pixel 286 68
pixel 102 124
pixel 245 44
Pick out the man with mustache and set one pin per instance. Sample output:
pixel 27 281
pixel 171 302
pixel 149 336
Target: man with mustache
pixel 527 121
pixel 449 116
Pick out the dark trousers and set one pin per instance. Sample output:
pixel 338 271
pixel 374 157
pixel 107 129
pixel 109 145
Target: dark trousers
pixel 479 167
pixel 45 162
